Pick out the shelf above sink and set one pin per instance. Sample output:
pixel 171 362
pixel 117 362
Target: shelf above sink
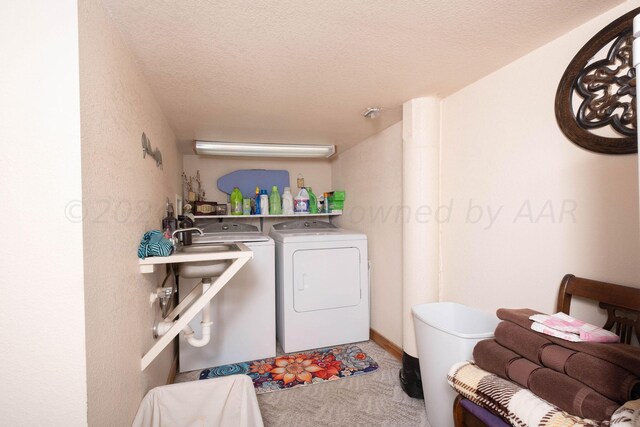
pixel 263 217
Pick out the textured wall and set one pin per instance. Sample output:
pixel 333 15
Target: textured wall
pixel 124 196
pixel 43 372
pixel 511 174
pixel 371 174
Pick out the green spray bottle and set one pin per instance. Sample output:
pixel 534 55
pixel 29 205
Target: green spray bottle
pixel 313 202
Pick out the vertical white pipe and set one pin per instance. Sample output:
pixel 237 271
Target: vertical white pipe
pixel 420 199
pixel 206 323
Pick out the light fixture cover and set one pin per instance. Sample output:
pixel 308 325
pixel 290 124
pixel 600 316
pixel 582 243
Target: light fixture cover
pixel 244 149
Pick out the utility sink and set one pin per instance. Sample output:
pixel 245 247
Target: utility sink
pixel 203 269
pixel 201 261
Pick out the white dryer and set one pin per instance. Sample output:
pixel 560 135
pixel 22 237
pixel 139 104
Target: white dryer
pixel 243 312
pixel 322 285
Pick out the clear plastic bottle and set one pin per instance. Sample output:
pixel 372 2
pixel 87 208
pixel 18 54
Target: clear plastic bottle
pixel 287 201
pixel 275 204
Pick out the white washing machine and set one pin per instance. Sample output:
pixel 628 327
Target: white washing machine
pixel 243 312
pixel 322 285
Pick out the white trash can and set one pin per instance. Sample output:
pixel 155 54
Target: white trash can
pixel 446 333
pixel 219 402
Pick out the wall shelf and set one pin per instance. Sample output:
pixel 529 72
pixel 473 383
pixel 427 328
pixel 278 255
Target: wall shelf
pixel 262 217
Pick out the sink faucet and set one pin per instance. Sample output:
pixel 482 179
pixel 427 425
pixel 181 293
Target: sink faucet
pixel 174 239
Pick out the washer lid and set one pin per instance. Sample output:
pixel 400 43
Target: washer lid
pixel 304 224
pixel 214 226
pixel 337 235
pixel 227 232
pixel 230 238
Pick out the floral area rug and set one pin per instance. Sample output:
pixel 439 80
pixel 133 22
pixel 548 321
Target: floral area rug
pixel 298 369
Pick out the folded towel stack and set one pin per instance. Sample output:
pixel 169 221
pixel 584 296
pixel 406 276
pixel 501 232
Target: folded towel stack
pixel 523 408
pixel 552 386
pixel 609 379
pixel 587 379
pixel 154 244
pixel 623 355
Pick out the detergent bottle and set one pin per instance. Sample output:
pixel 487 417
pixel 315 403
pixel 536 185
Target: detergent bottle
pixel 264 202
pixel 301 202
pixel 313 201
pixel 287 201
pixel 275 205
pixel 236 201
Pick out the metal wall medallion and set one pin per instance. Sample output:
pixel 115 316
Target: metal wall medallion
pixel 596 97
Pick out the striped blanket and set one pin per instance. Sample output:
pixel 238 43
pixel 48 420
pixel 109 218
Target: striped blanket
pixel 520 406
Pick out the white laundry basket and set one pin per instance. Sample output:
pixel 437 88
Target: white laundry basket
pixel 446 333
pixel 219 402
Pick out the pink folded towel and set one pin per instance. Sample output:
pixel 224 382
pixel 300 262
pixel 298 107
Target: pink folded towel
pixel 561 325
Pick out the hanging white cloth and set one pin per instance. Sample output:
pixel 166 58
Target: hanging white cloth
pixel 218 402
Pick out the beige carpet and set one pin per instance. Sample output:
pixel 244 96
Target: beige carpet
pixel 374 399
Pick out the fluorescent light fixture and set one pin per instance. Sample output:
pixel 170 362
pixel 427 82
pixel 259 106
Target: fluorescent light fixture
pixel 243 149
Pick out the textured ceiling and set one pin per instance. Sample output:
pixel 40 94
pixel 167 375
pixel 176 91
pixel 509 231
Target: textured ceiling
pixel 303 71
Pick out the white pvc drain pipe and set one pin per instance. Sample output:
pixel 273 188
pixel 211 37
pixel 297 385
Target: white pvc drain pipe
pixel 206 323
